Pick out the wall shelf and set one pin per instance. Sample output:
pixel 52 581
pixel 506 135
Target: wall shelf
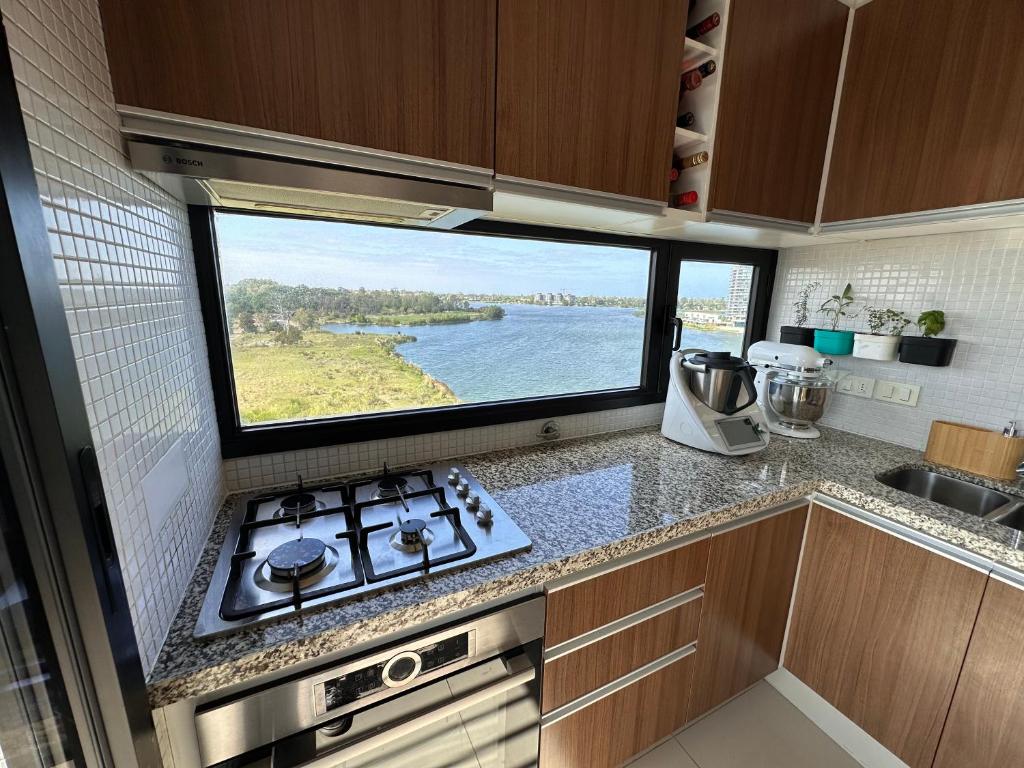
pixel 687 139
pixel 696 52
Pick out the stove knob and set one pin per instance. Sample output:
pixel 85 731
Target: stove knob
pixel 462 488
pixel 484 516
pixel 453 475
pixel 472 502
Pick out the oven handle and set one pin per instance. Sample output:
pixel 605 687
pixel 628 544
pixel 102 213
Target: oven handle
pixel 409 727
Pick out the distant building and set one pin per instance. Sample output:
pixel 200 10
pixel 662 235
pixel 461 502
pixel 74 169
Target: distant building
pixel 739 295
pixel 702 318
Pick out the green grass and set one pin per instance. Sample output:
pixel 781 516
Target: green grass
pixel 327 374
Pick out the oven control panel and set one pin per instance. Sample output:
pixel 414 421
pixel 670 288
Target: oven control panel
pixel 395 672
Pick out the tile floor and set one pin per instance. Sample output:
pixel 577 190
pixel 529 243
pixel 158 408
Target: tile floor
pixel 759 729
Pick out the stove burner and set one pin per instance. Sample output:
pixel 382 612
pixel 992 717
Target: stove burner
pixel 412 536
pixel 296 557
pixel 297 504
pixel 390 485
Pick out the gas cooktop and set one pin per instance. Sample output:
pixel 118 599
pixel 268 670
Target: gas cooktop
pixel 310 546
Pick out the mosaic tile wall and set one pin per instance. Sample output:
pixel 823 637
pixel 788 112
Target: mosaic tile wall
pixel 977 278
pixel 280 468
pixel 124 263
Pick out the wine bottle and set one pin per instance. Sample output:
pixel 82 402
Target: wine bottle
pixel 685 120
pixel 690 81
pixel 682 199
pixel 705 69
pixel 682 163
pixel 704 26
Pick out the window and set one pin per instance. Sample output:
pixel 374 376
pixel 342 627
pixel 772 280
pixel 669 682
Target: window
pixel 323 332
pixel 714 304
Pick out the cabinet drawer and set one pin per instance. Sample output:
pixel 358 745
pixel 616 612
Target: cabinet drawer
pixel 581 671
pixel 592 603
pixel 613 729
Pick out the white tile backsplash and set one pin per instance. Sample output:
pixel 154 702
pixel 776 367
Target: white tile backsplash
pixel 977 278
pixel 123 260
pixel 281 468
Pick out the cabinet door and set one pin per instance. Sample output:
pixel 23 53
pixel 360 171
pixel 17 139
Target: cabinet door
pixel 984 724
pixel 746 603
pixel 587 92
pixel 616 727
pixel 880 628
pixel 931 110
pixel 778 87
pixel 586 605
pixel 408 76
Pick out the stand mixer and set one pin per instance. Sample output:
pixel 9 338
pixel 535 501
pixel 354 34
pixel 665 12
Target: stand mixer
pixel 793 386
pixel 711 402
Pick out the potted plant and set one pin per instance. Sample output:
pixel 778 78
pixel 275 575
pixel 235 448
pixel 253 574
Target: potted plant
pixel 797 334
pixel 832 341
pixel 882 343
pixel 926 349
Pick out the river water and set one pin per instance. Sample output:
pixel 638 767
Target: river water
pixel 536 350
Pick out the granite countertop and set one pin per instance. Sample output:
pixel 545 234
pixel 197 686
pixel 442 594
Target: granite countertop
pixel 582 502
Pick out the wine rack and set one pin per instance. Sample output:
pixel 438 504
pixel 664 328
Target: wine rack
pixel 703 103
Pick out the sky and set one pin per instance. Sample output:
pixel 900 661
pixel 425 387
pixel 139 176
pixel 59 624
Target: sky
pixel 341 255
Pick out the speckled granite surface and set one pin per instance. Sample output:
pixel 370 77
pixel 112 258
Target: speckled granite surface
pixel 582 502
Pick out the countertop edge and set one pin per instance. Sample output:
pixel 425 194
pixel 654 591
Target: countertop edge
pixel 249 668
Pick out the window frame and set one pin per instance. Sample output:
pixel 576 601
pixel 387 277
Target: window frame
pixel 237 440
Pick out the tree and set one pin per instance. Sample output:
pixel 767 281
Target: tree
pixel 493 312
pixel 304 319
pixel 288 336
pixel 246 322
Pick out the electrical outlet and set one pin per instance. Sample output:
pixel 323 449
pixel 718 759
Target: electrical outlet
pixel 858 386
pixel 901 394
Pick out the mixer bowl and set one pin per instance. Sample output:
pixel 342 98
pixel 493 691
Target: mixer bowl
pixel 798 403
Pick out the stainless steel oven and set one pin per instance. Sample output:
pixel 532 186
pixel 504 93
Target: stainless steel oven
pixel 464 697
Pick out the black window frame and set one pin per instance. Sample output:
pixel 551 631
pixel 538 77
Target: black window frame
pixel 237 440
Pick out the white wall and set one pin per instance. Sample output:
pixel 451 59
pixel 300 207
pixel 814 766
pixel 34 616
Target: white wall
pixel 124 263
pixel 977 278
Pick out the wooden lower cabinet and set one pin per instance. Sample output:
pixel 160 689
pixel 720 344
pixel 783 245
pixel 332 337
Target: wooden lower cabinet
pixel 568 677
pixel 747 595
pixel 880 628
pixel 587 605
pixel 613 729
pixel 983 728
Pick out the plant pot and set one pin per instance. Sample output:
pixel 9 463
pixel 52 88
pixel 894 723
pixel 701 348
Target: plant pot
pixel 872 347
pixel 794 334
pixel 924 350
pixel 833 342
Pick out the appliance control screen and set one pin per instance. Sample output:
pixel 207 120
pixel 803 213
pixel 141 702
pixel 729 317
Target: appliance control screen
pixel 739 433
pixel 363 682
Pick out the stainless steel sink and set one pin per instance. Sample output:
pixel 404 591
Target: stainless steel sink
pixel 968 497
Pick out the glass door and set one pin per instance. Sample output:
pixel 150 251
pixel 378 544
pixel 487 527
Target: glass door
pixel 36 728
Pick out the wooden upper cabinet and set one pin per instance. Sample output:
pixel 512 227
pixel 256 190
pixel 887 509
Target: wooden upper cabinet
pixel 984 724
pixel 408 76
pixel 749 587
pixel 880 629
pixel 778 85
pixel 931 110
pixel 587 92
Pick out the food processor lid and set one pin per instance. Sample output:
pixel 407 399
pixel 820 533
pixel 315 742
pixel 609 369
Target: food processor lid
pixel 719 360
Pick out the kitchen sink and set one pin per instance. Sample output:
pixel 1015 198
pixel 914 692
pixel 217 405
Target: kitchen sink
pixel 968 497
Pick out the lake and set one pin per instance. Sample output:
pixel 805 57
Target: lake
pixel 536 350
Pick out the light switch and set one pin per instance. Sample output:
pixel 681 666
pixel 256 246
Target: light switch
pixel 901 394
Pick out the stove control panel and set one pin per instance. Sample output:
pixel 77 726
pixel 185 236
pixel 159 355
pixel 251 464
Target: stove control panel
pixel 395 672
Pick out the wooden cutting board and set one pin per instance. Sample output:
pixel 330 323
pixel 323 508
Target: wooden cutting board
pixel 973 449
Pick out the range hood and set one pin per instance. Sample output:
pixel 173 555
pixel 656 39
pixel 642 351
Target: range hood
pixel 209 163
